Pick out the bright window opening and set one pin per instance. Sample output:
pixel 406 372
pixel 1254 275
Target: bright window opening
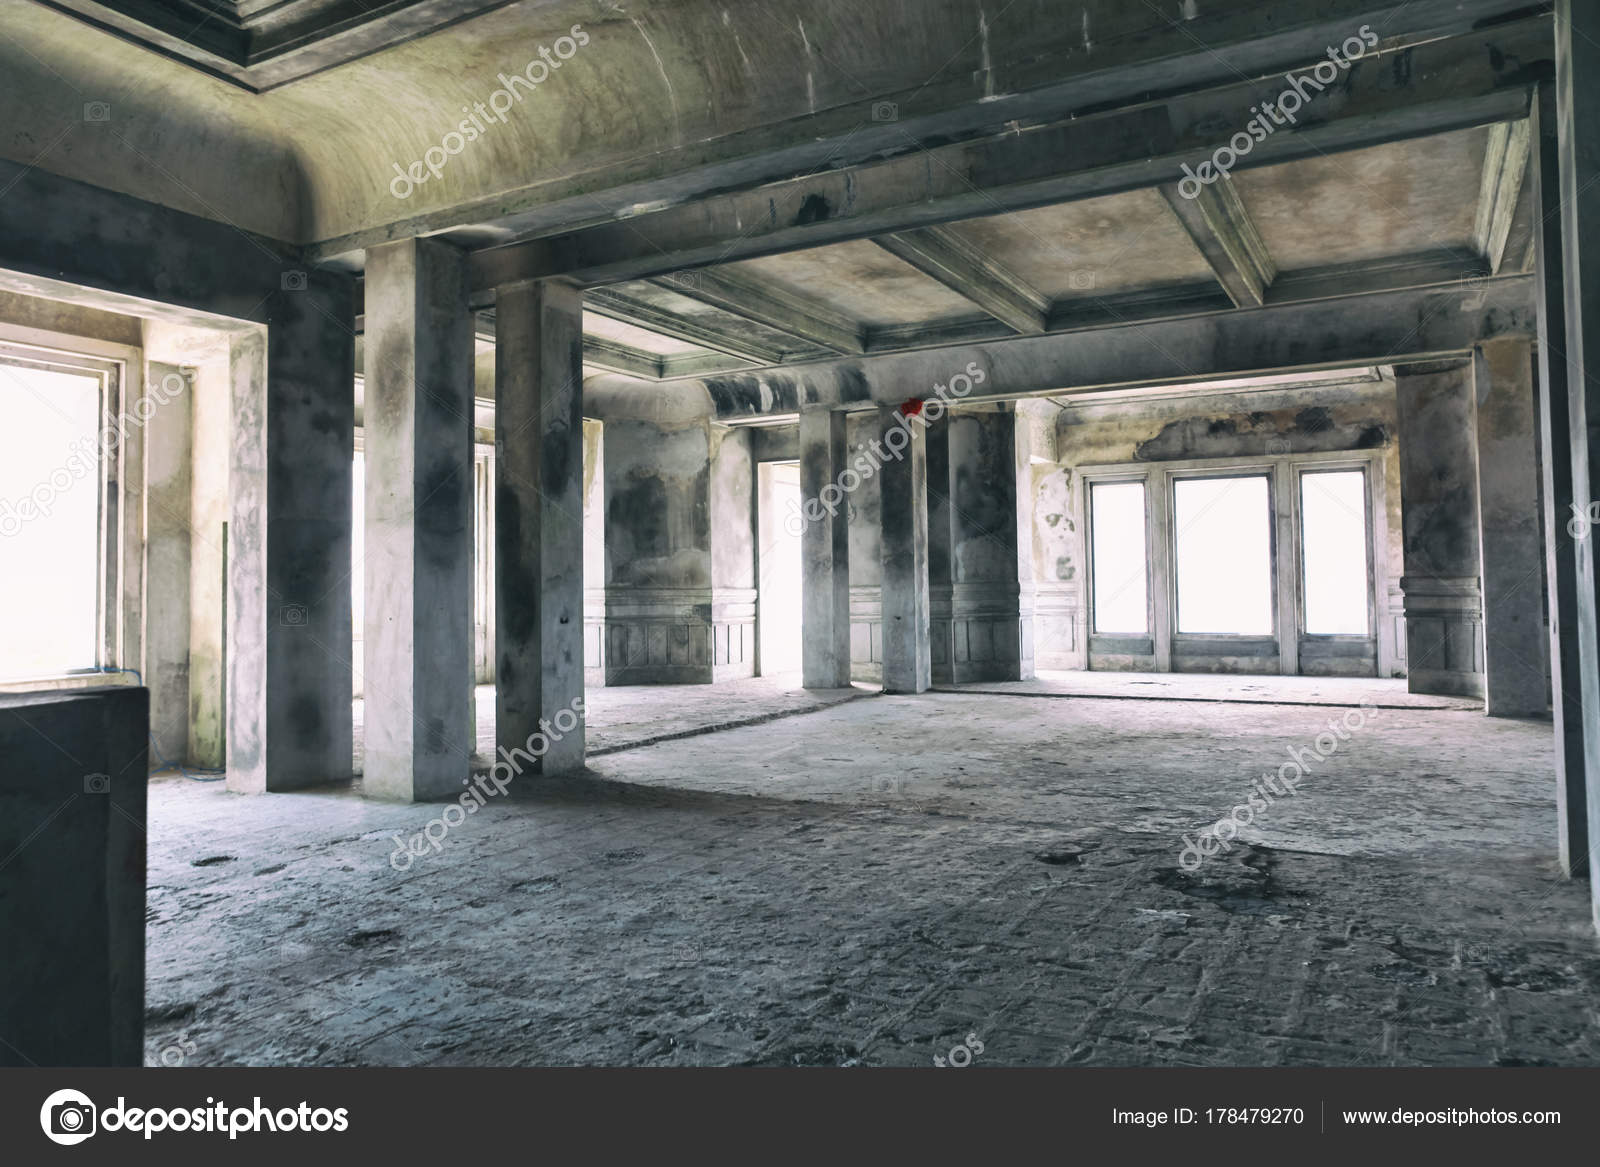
pixel 1333 518
pixel 780 600
pixel 1118 558
pixel 1224 556
pixel 49 522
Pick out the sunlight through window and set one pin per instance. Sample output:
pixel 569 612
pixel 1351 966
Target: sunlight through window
pixel 1333 521
pixel 1119 558
pixel 49 522
pixel 1224 556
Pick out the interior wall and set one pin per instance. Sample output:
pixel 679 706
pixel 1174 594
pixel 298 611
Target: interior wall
pixel 1353 417
pixel 208 518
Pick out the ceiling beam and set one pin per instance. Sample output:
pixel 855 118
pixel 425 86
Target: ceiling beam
pixel 773 307
pixel 607 354
pixel 629 310
pixel 1439 267
pixel 1375 329
pixel 940 253
pixel 1445 85
pixel 1223 231
pixel 1505 167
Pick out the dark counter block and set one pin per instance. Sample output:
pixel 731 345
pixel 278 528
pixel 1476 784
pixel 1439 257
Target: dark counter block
pixel 73 773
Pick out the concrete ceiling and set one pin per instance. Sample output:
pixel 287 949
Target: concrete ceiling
pixel 1399 214
pixel 739 188
pixel 668 100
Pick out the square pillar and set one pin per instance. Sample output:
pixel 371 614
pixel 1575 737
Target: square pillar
pixel 979 499
pixel 539 526
pixel 1577 84
pixel 1439 513
pixel 168 474
pixel 1555 432
pixel 941 534
pixel 824 553
pixel 417 673
pixel 293 445
pixel 1516 675
pixel 903 513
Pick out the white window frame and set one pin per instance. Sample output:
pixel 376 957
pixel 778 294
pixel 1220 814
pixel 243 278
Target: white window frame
pixel 1283 472
pixel 118 593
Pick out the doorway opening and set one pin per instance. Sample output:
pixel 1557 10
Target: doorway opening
pixel 780 522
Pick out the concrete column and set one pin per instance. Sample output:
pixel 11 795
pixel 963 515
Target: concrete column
pixel 731 503
pixel 824 553
pixel 1439 512
pixel 1555 430
pixel 417 639
pixel 208 567
pixel 539 525
pixel 986 492
pixel 1516 680
pixel 594 554
pixel 289 669
pixel 168 458
pixel 1577 35
pixel 941 535
pixel 907 656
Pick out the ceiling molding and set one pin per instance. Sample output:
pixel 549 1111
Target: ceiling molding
pixel 943 255
pixel 618 306
pixel 1500 195
pixel 1221 228
pixel 764 303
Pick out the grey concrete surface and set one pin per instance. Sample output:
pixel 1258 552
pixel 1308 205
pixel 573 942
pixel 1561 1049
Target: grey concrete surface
pixel 539 525
pixel 903 554
pixel 72 912
pixel 1254 689
pixel 869 884
pixel 418 547
pixel 1516 656
pixel 290 677
pixel 620 717
pixel 824 552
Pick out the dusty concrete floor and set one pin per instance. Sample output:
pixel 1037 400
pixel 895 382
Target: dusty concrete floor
pixel 1224 687
pixel 871 883
pixel 620 717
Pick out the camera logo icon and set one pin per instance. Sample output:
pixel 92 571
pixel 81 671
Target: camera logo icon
pixel 293 281
pixel 97 783
pixel 68 1117
pixel 293 616
pixel 885 111
pixel 96 111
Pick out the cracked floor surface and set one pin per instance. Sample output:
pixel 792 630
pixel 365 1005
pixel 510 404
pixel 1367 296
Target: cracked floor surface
pixel 872 883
